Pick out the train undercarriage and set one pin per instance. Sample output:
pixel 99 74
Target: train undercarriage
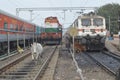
pixel 51 41
pixel 94 43
pixel 13 46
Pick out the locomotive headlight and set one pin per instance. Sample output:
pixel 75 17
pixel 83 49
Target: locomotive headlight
pixel 59 28
pixel 92 30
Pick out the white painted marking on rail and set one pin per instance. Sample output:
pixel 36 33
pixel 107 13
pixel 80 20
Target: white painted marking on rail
pixel 76 64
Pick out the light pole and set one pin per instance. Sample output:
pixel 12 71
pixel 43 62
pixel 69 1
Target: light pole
pixel 31 15
pixel 109 23
pixel 119 29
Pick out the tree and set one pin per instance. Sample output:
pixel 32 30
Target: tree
pixel 112 11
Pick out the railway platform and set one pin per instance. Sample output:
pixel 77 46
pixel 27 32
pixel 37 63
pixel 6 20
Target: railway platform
pixel 113 46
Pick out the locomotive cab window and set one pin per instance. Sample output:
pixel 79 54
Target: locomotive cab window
pixel 5 25
pixel 97 21
pixel 86 22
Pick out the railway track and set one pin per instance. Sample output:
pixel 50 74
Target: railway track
pixel 106 60
pixel 25 68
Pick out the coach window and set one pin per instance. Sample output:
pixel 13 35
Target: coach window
pixel 16 28
pixel 11 26
pixel 5 25
pixel 21 27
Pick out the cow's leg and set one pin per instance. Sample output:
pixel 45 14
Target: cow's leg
pixel 39 59
pixel 32 56
pixel 41 55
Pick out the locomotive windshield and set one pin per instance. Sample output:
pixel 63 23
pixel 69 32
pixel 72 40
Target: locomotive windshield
pixel 86 22
pixel 97 21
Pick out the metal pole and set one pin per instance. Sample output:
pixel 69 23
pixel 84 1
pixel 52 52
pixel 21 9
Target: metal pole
pixel 76 64
pixel 119 40
pixel 36 37
pixel 33 37
pixel 64 15
pixel 17 40
pixel 8 43
pixel 17 12
pixel 109 23
pixel 31 15
pixel 119 27
pixel 24 40
pixel 73 46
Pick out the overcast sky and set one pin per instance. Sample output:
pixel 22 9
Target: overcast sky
pixel 38 16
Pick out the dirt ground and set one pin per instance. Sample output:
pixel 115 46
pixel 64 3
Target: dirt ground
pixel 90 70
pixel 65 69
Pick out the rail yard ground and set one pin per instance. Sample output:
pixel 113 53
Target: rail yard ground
pixel 66 70
pixel 113 46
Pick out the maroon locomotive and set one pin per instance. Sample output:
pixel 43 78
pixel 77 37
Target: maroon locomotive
pixel 52 31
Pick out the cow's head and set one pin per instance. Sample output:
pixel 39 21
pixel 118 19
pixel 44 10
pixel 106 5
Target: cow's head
pixel 34 47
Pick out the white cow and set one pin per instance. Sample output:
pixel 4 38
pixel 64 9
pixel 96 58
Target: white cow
pixel 36 50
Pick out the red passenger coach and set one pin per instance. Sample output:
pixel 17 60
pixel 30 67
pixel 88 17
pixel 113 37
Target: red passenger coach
pixel 14 32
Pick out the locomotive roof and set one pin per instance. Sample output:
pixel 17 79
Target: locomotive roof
pixel 90 16
pixel 16 17
pixel 51 17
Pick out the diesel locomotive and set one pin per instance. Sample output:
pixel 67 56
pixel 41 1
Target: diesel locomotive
pixel 52 31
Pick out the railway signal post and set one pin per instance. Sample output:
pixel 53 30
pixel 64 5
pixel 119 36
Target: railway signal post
pixel 73 32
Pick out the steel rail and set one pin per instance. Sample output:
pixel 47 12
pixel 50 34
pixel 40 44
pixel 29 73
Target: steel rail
pixel 37 70
pixel 10 64
pixel 102 65
pixel 112 55
pixel 41 71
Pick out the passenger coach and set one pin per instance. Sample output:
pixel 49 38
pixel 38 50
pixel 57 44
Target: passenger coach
pixel 15 32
